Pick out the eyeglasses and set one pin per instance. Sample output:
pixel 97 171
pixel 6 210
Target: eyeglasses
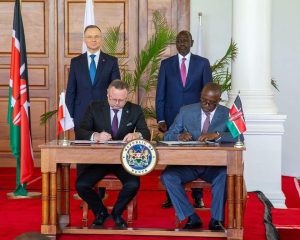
pixel 97 37
pixel 115 101
pixel 208 102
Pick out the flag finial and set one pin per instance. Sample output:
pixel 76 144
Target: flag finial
pixel 200 17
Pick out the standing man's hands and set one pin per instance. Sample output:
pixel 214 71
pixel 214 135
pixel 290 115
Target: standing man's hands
pixel 162 126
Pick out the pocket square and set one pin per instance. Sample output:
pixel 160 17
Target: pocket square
pixel 129 124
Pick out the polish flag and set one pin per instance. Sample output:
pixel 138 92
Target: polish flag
pixel 64 120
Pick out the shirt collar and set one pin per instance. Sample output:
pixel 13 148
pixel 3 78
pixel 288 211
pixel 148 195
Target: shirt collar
pixel 96 53
pixel 211 113
pixel 188 56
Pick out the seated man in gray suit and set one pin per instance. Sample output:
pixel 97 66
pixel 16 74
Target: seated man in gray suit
pixel 199 122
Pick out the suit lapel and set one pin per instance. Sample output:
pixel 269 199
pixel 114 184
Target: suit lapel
pixel 197 120
pixel 106 117
pixel 217 118
pixel 190 71
pixel 85 69
pixel 100 66
pixel 176 66
pixel 124 117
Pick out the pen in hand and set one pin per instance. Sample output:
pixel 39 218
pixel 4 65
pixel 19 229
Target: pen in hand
pixel 185 136
pixel 185 129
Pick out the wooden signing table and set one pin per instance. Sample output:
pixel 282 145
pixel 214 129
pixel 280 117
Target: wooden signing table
pixel 55 167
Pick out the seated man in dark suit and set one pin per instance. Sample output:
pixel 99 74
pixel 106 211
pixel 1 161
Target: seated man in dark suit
pixel 113 119
pixel 199 122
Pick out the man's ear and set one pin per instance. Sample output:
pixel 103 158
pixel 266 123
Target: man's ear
pixel 192 42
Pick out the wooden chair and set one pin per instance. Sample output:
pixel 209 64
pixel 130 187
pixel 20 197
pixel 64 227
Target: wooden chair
pixel 198 183
pixel 110 182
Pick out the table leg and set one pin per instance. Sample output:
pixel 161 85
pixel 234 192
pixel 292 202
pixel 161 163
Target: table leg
pixel 53 210
pixel 230 201
pixel 239 201
pixel 66 188
pixel 59 190
pixel 45 199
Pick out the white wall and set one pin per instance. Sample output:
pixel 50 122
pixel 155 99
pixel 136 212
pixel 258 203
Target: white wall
pixel 216 22
pixel 286 71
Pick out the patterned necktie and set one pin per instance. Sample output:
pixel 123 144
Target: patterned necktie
pixel 206 123
pixel 92 68
pixel 183 71
pixel 114 124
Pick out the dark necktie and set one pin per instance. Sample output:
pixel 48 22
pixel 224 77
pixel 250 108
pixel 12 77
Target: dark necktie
pixel 183 71
pixel 92 68
pixel 114 124
pixel 206 123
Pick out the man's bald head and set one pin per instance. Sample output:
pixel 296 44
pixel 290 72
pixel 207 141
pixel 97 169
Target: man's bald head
pixel 210 97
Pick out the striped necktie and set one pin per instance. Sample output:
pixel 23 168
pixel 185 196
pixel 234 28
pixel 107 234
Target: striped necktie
pixel 183 71
pixel 206 123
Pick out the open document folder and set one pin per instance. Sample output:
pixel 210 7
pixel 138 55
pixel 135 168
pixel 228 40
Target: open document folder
pixel 95 142
pixel 188 143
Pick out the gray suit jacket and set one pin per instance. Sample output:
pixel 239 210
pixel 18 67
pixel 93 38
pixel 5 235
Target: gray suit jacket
pixel 189 119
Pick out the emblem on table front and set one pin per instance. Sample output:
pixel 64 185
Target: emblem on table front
pixel 139 157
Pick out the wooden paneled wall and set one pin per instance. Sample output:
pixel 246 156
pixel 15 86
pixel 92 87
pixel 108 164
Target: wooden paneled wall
pixel 53 31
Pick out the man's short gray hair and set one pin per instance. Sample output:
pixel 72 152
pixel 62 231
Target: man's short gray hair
pixel 118 84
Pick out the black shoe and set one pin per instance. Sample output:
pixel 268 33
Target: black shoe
pixel 101 218
pixel 167 204
pixel 119 221
pixel 215 225
pixel 198 203
pixel 193 224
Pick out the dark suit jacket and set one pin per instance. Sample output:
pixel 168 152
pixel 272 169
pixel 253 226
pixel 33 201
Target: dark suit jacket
pixel 170 93
pixel 189 119
pixel 80 91
pixel 97 119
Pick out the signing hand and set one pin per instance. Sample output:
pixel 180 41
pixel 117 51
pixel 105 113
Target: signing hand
pixel 186 136
pixel 131 136
pixel 208 137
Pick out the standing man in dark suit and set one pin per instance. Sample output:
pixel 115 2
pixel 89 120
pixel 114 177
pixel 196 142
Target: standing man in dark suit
pixel 89 77
pixel 180 80
pixel 199 122
pixel 114 119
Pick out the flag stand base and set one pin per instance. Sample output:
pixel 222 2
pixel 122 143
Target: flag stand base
pixel 239 144
pixel 11 195
pixel 65 142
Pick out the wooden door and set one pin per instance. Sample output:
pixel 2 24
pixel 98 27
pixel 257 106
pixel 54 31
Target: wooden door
pixel 39 26
pixel 53 31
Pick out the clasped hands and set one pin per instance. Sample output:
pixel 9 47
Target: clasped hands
pixel 105 136
pixel 186 136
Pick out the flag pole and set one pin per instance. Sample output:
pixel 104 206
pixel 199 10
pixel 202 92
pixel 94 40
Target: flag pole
pixel 200 18
pixel 65 141
pixel 239 143
pixel 19 130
